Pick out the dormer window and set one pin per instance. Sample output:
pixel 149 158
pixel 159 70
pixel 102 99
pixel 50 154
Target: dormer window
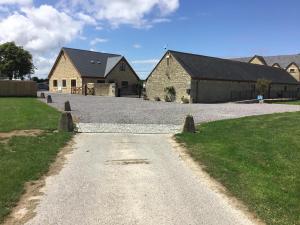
pixel 292 70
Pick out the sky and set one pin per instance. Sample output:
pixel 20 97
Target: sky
pixel 142 30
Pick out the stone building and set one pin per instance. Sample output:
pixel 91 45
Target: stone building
pixel 197 78
pixel 290 63
pixel 74 69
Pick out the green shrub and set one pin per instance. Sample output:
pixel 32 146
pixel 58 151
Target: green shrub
pixel 170 94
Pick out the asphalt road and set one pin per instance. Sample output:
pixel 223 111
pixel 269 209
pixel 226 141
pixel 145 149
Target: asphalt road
pixel 130 179
pixel 96 109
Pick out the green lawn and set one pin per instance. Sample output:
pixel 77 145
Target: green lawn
pixel 297 102
pixel 257 159
pixel 26 113
pixel 23 159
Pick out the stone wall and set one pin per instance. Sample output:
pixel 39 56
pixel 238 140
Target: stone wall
pixel 284 91
pixel 103 89
pixel 168 74
pixel 209 91
pixel 15 88
pixel 117 76
pixel 64 70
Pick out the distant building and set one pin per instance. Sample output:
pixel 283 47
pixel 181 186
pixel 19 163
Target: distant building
pixel 75 68
pixel 290 63
pixel 207 79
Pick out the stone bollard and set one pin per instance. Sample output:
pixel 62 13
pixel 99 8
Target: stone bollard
pixel 49 99
pixel 66 122
pixel 42 95
pixel 189 125
pixel 67 106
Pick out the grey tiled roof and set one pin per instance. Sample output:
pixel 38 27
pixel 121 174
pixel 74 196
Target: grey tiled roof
pixel 282 60
pixel 205 67
pixel 92 64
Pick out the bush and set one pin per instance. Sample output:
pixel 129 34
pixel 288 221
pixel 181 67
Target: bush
pixel 262 86
pixel 167 98
pixel 145 97
pixel 185 100
pixel 170 94
pixel 157 99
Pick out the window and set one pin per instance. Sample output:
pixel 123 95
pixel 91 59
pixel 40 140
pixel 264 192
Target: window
pixel 285 88
pixel 111 81
pixel 124 84
pixel 64 83
pixel 54 83
pixel 292 70
pixel 100 81
pixel 73 83
pixel 122 66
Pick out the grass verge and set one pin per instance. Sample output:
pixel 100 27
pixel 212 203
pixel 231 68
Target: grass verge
pixel 296 102
pixel 26 158
pixel 258 161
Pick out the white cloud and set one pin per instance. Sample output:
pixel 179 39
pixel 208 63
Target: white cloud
pixel 45 29
pixel 98 40
pixel 146 61
pixel 117 12
pixel 39 29
pixel 160 20
pixel 87 19
pixel 43 65
pixel 136 46
pixel 15 2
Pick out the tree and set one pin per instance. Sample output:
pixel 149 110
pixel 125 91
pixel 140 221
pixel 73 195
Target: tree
pixel 39 80
pixel 262 86
pixel 15 62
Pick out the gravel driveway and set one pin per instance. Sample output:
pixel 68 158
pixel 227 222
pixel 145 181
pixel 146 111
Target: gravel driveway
pixel 126 179
pixel 95 109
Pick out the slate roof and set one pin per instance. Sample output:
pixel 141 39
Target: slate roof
pixel 211 68
pixel 283 60
pixel 92 64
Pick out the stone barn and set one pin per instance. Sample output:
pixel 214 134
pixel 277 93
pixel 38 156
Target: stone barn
pixel 108 74
pixel 202 79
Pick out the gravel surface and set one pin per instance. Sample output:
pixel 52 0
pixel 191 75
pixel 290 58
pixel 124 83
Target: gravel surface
pixel 95 109
pixel 128 128
pixel 126 179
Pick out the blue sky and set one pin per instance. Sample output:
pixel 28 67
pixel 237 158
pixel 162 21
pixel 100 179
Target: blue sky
pixel 140 29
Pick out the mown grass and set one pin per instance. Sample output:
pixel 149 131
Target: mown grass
pixel 26 113
pixel 25 158
pixel 296 102
pixel 257 159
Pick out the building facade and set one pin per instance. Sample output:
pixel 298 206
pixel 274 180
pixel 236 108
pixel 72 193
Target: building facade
pixel 203 79
pixel 290 63
pixel 75 68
